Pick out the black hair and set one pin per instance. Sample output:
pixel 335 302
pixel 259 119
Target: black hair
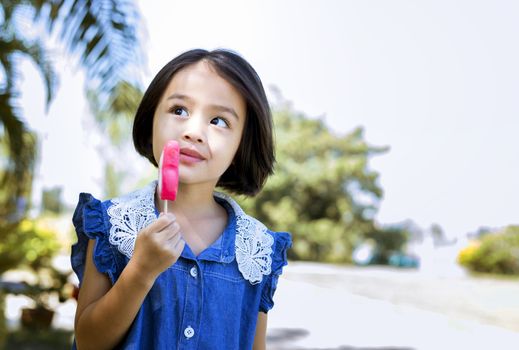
pixel 254 160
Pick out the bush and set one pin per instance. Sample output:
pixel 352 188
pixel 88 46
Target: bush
pixel 493 253
pixel 389 241
pixel 31 245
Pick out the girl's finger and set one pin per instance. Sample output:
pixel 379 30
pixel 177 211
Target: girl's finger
pixel 164 223
pixel 171 231
pixel 179 247
pixel 175 227
pixel 173 240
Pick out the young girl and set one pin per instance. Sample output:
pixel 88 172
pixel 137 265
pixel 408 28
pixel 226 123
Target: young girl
pixel 201 276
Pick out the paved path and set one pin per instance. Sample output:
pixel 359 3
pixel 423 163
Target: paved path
pixel 326 307
pixel 321 306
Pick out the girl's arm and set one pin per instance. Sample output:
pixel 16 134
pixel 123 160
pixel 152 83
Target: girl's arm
pixel 104 312
pixel 261 332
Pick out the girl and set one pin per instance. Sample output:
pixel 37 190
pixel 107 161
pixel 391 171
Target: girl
pixel 203 275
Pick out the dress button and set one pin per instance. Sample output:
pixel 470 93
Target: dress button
pixel 189 332
pixel 193 272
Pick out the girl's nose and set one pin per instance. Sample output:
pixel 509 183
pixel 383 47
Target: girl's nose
pixel 193 138
pixel 194 131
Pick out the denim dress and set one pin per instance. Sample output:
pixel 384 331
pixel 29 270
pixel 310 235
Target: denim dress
pixel 209 301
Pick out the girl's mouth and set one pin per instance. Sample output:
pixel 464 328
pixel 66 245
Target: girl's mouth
pixel 190 155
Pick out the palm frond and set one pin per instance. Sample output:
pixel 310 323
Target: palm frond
pixel 18 143
pixel 102 33
pixel 13 47
pixel 20 146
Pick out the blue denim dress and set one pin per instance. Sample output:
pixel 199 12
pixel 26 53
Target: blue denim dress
pixel 209 301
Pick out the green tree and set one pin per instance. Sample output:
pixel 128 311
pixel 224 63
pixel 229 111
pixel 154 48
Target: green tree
pixel 323 191
pixel 100 34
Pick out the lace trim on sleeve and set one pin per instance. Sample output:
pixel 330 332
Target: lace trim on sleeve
pixel 253 244
pixel 128 215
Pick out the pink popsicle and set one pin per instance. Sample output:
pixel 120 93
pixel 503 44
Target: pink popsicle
pixel 168 172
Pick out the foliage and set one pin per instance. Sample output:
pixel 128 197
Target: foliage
pixel 51 200
pixel 31 245
pixel 496 252
pixel 116 119
pixel 100 34
pixel 322 191
pixel 51 339
pixel 467 254
pixel 3 323
pixel 388 241
pixel 15 177
pixel 17 143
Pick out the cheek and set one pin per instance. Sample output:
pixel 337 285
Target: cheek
pixel 224 149
pixel 233 148
pixel 164 129
pixel 157 139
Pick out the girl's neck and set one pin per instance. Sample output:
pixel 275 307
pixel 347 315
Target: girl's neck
pixel 192 201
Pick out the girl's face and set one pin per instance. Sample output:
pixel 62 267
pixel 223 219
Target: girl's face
pixel 206 115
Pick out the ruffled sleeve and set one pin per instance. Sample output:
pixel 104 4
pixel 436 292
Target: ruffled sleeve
pixel 282 242
pixel 89 222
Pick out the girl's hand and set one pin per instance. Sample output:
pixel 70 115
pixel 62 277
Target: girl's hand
pixel 158 246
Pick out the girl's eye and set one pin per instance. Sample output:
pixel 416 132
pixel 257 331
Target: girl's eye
pixel 219 121
pixel 179 111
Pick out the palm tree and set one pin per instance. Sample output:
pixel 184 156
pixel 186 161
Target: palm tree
pixel 100 34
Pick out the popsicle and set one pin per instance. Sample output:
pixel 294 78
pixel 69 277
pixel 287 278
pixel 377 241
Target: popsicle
pixel 168 172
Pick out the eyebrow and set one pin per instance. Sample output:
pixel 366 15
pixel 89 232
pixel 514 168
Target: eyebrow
pixel 217 107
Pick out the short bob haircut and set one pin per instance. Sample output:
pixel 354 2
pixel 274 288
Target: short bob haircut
pixel 254 159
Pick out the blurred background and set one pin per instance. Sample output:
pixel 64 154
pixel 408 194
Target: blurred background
pixel 397 146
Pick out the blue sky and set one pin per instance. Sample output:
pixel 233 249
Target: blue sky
pixel 437 81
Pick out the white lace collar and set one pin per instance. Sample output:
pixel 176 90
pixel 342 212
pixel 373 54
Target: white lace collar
pixel 132 212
